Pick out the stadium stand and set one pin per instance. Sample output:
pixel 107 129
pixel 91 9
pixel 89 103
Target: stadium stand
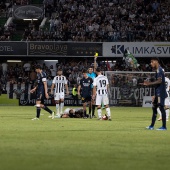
pixel 87 20
pixel 95 20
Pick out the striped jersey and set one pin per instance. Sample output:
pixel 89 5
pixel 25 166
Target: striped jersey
pixel 60 82
pixel 101 83
pixel 167 85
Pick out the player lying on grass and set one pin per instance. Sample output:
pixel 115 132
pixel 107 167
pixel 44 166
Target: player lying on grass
pixel 77 113
pixel 73 113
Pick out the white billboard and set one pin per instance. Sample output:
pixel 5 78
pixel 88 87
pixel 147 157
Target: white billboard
pixel 138 49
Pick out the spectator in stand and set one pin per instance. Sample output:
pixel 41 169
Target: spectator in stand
pixel 27 67
pixel 4 68
pixel 49 83
pixel 53 71
pixel 21 2
pixel 2 6
pixel 33 77
pixel 52 21
pixel 48 8
pixel 100 20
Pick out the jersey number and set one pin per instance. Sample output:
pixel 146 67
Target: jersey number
pixel 102 83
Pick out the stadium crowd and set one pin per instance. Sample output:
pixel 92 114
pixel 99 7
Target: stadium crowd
pixel 105 20
pixel 91 20
pixel 71 69
pixel 99 20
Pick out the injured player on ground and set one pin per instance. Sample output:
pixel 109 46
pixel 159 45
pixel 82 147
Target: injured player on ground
pixel 72 113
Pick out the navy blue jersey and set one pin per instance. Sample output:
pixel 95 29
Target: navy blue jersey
pixel 41 77
pixel 86 85
pixel 160 89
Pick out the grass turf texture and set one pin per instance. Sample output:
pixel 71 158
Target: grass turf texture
pixel 78 144
pixel 5 101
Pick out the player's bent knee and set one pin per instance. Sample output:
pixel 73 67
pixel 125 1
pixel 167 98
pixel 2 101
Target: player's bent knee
pixel 162 109
pixel 166 107
pixel 38 105
pixel 107 106
pixel 154 106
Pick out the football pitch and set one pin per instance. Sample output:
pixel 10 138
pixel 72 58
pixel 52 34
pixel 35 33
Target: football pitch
pixel 81 144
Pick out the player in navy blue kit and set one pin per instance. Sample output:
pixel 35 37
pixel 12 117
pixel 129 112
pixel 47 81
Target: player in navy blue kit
pixel 41 89
pixel 86 91
pixel 160 94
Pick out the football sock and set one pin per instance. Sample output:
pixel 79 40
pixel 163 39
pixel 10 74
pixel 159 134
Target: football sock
pixel 159 112
pixel 167 113
pixel 38 112
pixel 89 110
pixel 154 116
pixel 93 109
pixel 84 113
pixel 108 112
pixel 47 109
pixel 163 116
pixel 61 107
pixel 57 109
pixel 102 105
pixel 99 111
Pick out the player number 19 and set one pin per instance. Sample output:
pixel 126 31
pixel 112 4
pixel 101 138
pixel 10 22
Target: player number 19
pixel 102 83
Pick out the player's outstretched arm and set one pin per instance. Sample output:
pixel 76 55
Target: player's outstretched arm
pixel 95 64
pixel 33 90
pixel 52 88
pixel 147 83
pixel 67 91
pixel 78 90
pixel 94 92
pixel 45 88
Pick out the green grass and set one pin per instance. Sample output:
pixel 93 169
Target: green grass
pixel 5 101
pixel 78 144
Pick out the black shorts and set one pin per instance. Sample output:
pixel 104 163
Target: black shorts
pixel 40 96
pixel 158 101
pixel 86 99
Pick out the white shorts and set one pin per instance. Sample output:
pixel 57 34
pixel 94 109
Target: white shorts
pixel 58 96
pixel 167 102
pixel 102 99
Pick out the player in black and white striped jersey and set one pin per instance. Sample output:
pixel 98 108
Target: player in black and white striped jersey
pixel 100 91
pixel 60 84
